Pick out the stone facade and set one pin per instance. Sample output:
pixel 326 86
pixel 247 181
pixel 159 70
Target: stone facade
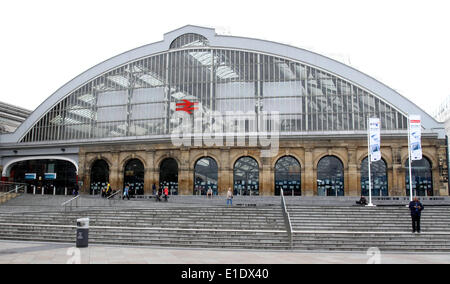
pixel 350 151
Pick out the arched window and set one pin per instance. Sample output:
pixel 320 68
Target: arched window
pixel 422 177
pixel 378 172
pixel 205 176
pixel 99 176
pixel 288 176
pixel 330 177
pixel 189 40
pixel 246 176
pixel 134 176
pixel 168 175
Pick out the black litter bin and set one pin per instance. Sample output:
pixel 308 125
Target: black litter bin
pixel 83 233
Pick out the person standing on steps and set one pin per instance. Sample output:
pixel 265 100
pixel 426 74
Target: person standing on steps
pixel 416 211
pixel 166 193
pixel 126 192
pixel 229 197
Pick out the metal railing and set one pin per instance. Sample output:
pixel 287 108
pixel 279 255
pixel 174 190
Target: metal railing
pixel 287 219
pixel 69 203
pixel 11 186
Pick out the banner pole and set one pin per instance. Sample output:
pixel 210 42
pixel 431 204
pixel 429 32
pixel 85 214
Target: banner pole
pixel 369 159
pixel 409 160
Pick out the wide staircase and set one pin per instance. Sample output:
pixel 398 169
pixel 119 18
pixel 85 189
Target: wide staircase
pixel 164 226
pixel 359 228
pixel 255 223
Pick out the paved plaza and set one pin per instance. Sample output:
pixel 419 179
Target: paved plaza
pixel 53 253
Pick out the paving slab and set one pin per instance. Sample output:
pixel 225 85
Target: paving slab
pixel 49 253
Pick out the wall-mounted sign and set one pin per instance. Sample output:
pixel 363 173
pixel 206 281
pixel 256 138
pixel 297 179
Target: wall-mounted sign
pixel 187 106
pixel 50 176
pixel 29 176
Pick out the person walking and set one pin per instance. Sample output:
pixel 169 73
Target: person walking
pixel 126 192
pixel 166 193
pixel 229 197
pixel 108 190
pixel 416 211
pixel 154 189
pixel 210 193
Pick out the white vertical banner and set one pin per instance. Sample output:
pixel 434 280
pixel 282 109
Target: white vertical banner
pixel 375 139
pixel 415 135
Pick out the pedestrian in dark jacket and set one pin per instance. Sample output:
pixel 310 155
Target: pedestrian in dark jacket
pixel 416 210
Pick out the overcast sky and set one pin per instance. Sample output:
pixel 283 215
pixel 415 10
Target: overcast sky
pixel 404 44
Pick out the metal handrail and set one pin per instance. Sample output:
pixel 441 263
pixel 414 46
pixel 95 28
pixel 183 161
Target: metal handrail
pixel 6 184
pixel 287 219
pixel 6 193
pixel 70 202
pixel 111 197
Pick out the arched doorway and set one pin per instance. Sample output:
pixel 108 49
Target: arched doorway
pixel 205 176
pixel 46 176
pixel 134 176
pixel 246 176
pixel 168 175
pixel 422 177
pixel 378 172
pixel 288 176
pixel 330 177
pixel 99 176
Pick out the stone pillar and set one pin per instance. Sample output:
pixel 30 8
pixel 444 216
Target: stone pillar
pixel 149 175
pixel 308 184
pixel 183 173
pixel 443 172
pixel 115 175
pixel 225 171
pixel 352 173
pixel 81 172
pixel 265 180
pixel 398 179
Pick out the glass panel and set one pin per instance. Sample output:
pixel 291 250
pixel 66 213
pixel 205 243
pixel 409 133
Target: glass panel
pixel 288 176
pixel 134 177
pixel 206 177
pixel 378 171
pixel 218 80
pixel 246 177
pixel 168 176
pixel 330 177
pixel 99 177
pixel 422 178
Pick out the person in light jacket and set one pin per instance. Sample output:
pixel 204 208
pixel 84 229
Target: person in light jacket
pixel 229 197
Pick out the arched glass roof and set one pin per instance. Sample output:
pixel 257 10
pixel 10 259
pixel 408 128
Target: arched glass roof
pixel 189 40
pixel 136 98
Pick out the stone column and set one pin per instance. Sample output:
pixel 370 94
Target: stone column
pixel 149 175
pixel 308 184
pixel 114 175
pixel 82 172
pixel 183 173
pixel 398 180
pixel 225 171
pixel 352 173
pixel 266 181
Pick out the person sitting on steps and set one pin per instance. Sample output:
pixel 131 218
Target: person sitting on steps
pixel 362 201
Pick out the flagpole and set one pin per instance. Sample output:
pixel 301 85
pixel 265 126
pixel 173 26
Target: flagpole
pixel 409 160
pixel 369 159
